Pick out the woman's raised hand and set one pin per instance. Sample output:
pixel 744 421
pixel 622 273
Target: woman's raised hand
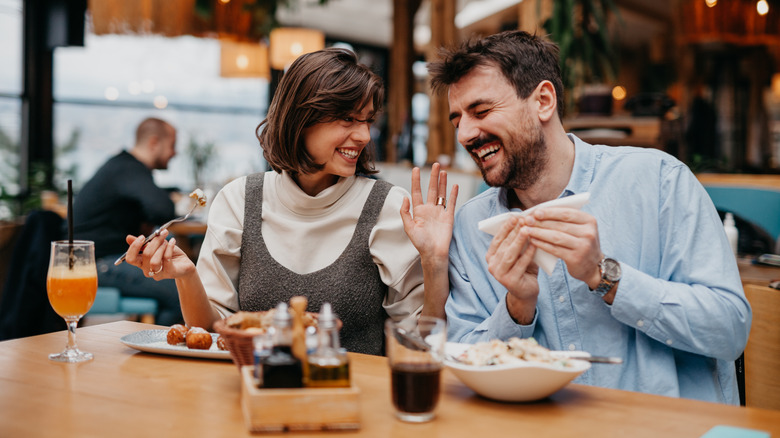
pixel 160 258
pixel 429 224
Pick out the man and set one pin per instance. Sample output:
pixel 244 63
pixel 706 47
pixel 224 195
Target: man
pixel 645 270
pixel 121 199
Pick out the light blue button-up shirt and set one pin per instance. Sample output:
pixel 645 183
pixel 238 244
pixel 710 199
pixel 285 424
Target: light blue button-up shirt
pixel 679 318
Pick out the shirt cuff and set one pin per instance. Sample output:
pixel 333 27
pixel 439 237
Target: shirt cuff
pixel 502 326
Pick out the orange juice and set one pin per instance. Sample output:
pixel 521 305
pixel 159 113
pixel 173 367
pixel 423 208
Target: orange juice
pixel 72 291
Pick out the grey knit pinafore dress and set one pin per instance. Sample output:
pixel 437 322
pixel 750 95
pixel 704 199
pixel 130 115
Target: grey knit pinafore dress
pixel 351 283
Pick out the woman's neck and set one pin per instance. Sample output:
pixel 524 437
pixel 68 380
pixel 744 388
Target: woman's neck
pixel 313 184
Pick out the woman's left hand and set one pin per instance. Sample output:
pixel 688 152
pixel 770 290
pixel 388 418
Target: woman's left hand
pixel 429 224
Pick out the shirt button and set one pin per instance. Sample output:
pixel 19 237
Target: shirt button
pixel 561 298
pixel 640 323
pixel 572 347
pixel 668 342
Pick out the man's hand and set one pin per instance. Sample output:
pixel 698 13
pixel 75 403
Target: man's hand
pixel 510 261
pixel 571 235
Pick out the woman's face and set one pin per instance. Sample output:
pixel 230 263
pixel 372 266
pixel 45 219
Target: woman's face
pixel 336 145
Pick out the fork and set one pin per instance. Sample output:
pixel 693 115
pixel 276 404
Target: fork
pixel 160 230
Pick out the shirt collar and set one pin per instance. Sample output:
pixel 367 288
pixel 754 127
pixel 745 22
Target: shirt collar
pixel 294 198
pixel 582 171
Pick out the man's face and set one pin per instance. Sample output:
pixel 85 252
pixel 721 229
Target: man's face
pixel 166 150
pixel 500 130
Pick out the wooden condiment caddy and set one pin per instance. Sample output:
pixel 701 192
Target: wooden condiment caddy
pixel 298 409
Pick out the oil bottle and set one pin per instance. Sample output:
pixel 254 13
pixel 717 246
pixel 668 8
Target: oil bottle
pixel 328 364
pixel 280 368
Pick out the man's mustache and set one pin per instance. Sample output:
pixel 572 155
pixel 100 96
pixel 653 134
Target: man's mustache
pixel 478 143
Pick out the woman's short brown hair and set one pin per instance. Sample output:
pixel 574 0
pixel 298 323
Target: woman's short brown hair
pixel 318 87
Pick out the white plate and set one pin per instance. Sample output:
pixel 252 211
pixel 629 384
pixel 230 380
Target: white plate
pixel 524 381
pixel 155 341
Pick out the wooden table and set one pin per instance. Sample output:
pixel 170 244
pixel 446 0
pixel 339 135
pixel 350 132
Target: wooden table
pixel 126 393
pixel 752 273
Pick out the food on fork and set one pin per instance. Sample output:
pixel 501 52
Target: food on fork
pixel 199 196
pixel 199 339
pixel 177 334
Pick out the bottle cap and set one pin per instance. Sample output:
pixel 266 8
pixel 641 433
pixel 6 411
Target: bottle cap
pixel 326 319
pixel 282 317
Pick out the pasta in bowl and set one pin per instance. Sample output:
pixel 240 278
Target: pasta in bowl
pixel 517 370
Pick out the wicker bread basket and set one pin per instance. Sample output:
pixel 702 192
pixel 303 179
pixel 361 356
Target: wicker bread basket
pixel 238 342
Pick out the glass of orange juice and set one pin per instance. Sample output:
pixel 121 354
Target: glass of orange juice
pixel 71 284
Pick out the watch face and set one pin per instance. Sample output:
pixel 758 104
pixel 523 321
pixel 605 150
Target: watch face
pixel 611 270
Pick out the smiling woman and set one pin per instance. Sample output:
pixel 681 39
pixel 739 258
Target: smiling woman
pixel 315 225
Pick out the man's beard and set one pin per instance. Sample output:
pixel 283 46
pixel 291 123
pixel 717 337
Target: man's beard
pixel 160 164
pixel 522 166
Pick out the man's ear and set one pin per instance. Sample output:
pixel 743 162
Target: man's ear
pixel 153 142
pixel 547 99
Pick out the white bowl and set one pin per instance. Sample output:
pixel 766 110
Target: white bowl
pixel 524 381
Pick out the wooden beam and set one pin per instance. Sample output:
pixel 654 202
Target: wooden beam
pixel 400 82
pixel 441 135
pixel 532 14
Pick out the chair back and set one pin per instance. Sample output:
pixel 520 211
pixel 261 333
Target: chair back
pixel 762 354
pixel 25 309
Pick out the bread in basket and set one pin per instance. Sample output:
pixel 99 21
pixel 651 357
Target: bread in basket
pixel 238 331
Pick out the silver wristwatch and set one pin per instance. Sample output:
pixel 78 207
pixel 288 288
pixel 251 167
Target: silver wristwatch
pixel 610 274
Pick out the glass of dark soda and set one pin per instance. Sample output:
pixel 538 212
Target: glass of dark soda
pixel 415 352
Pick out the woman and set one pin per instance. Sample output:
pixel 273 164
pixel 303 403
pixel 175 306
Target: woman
pixel 314 226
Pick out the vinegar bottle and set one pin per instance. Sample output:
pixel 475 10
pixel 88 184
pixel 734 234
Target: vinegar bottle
pixel 731 232
pixel 329 364
pixel 280 368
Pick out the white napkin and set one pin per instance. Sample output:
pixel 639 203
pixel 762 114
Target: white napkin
pixel 543 259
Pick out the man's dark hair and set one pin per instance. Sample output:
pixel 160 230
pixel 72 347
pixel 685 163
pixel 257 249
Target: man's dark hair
pixel 525 60
pixel 319 87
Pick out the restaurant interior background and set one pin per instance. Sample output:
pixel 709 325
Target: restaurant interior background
pixel 697 78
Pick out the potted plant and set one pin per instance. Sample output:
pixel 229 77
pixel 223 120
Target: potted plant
pixel 587 55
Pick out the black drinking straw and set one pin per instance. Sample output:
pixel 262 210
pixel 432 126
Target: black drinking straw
pixel 70 223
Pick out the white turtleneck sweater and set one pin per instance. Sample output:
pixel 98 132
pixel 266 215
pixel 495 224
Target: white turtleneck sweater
pixel 307 233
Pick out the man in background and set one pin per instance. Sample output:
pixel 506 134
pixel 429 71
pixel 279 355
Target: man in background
pixel 121 199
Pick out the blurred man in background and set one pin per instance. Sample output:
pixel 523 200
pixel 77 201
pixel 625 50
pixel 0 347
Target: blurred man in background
pixel 121 199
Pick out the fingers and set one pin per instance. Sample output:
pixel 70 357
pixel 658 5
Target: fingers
pixel 406 215
pixel 147 256
pixel 417 197
pixel 453 197
pixel 169 248
pixel 499 237
pixel 561 215
pixel 134 250
pixel 434 183
pixel 510 257
pixel 442 177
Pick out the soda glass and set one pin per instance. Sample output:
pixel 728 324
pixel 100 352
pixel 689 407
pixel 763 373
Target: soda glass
pixel 415 352
pixel 71 284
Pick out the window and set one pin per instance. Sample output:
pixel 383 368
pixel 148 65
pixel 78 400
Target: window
pixel 104 89
pixel 10 103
